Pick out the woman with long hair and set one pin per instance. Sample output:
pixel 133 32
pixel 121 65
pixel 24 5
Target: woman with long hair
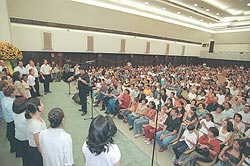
pixel 99 149
pixel 35 124
pixel 232 155
pixel 55 143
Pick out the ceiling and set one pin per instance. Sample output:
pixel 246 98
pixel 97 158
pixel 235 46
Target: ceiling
pixel 213 16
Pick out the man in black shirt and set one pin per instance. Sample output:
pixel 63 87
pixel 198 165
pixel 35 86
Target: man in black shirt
pixel 169 131
pixel 213 106
pixel 83 86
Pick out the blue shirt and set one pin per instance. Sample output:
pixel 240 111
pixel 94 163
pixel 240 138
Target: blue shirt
pixel 7 103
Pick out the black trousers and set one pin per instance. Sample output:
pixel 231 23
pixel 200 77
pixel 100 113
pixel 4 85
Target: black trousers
pixel 37 86
pixel 46 82
pixel 179 148
pixel 11 136
pixel 83 99
pixel 32 92
pixel 22 151
pixel 35 156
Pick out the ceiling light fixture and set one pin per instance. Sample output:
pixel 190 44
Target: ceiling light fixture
pixel 164 8
pixel 217 14
pixel 207 10
pixel 191 16
pixel 201 20
pixel 248 4
pixel 178 12
pixel 195 4
pixel 146 3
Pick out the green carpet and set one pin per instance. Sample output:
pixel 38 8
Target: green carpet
pixel 77 127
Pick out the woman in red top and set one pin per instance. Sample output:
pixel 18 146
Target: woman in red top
pixel 124 102
pixel 209 144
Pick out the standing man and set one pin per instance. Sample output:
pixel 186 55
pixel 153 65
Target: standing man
pixel 29 66
pixel 45 72
pixel 20 68
pixel 83 86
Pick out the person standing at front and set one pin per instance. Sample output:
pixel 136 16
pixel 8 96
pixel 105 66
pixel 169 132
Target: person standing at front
pixel 46 74
pixel 83 86
pixel 55 143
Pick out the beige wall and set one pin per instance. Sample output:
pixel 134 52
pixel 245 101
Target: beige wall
pixel 66 11
pixel 5 33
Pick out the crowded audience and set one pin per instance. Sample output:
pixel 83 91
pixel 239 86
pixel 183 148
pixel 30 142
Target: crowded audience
pixel 200 109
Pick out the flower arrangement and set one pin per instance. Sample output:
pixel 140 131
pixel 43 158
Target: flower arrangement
pixel 9 52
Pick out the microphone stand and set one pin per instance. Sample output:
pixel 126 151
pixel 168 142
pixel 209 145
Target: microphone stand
pixel 156 121
pixel 92 101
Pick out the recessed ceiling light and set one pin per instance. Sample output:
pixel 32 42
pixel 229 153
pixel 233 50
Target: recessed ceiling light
pixel 146 3
pixel 178 12
pixel 191 16
pixel 201 20
pixel 248 4
pixel 195 4
pixel 217 14
pixel 210 23
pixel 164 8
pixel 207 10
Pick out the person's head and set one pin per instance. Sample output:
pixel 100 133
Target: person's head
pixel 19 105
pixel 101 132
pixel 16 76
pixel 201 106
pixel 9 79
pixel 228 125
pixel 169 100
pixel 237 117
pixel 34 106
pixel 227 105
pixel 174 112
pixel 31 71
pixel 126 91
pixel 247 108
pixel 31 63
pixel 215 99
pixel 45 61
pixel 193 102
pixel 25 77
pixel 3 83
pixel 1 62
pixel 144 101
pixel 192 110
pixel 81 70
pixel 239 144
pixel 219 109
pixel 152 105
pixel 20 64
pixel 209 117
pixel 56 116
pixel 213 132
pixel 180 104
pixel 9 91
pixel 190 128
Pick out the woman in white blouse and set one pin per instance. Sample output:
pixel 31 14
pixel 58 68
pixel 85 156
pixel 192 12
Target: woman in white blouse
pixel 99 149
pixel 19 108
pixel 35 125
pixel 239 126
pixel 55 143
pixel 225 133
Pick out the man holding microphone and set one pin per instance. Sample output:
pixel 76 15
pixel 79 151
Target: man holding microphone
pixel 83 86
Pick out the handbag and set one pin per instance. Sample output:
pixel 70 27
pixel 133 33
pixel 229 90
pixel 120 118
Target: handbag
pixel 202 151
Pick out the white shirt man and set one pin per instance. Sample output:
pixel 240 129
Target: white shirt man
pixel 20 68
pixel 192 137
pixel 246 115
pixel 28 67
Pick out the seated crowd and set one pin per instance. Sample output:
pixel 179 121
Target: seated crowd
pixel 203 112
